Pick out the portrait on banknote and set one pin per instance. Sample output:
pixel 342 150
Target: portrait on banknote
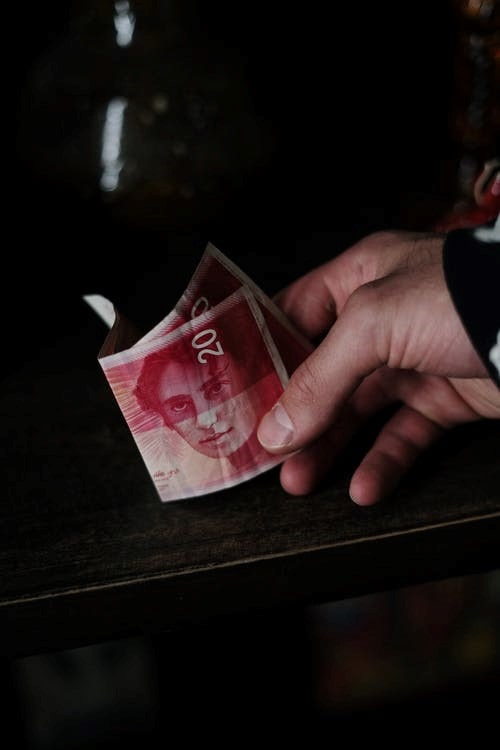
pixel 193 398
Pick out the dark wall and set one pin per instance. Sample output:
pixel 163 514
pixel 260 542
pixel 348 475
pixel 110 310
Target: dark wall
pixel 346 108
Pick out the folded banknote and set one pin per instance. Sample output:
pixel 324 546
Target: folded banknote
pixel 194 389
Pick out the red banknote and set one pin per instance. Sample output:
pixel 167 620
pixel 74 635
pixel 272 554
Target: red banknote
pixel 194 389
pixel 213 280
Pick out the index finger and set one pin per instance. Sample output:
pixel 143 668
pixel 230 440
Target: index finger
pixel 309 303
pixel 314 302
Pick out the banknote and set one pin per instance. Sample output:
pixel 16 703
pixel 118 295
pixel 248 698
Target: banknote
pixel 194 389
pixel 215 277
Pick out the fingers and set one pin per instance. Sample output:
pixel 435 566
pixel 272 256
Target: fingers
pixel 320 387
pixel 309 303
pixel 314 301
pixel 430 406
pixel 400 442
pixel 405 436
pixel 303 471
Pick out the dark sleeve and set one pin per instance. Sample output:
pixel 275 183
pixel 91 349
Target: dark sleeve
pixel 471 259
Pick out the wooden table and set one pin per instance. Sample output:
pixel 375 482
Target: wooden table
pixel 88 552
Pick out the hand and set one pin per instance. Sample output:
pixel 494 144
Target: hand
pixel 392 335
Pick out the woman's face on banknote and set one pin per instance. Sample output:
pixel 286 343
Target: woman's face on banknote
pixel 207 406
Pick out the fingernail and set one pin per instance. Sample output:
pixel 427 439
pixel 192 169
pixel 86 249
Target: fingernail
pixel 276 428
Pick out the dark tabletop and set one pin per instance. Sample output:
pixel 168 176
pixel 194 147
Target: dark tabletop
pixel 88 550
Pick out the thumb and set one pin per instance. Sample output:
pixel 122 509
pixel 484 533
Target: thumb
pixel 317 390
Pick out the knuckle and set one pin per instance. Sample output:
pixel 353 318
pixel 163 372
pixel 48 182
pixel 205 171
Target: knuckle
pixel 384 251
pixel 305 386
pixel 366 300
pixel 368 319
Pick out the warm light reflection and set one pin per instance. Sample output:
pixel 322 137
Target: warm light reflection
pixel 124 21
pixel 111 144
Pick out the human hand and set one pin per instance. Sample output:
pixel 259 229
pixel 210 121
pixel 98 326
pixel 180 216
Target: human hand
pixel 392 335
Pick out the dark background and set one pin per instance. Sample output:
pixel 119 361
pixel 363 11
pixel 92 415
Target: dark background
pixel 349 110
